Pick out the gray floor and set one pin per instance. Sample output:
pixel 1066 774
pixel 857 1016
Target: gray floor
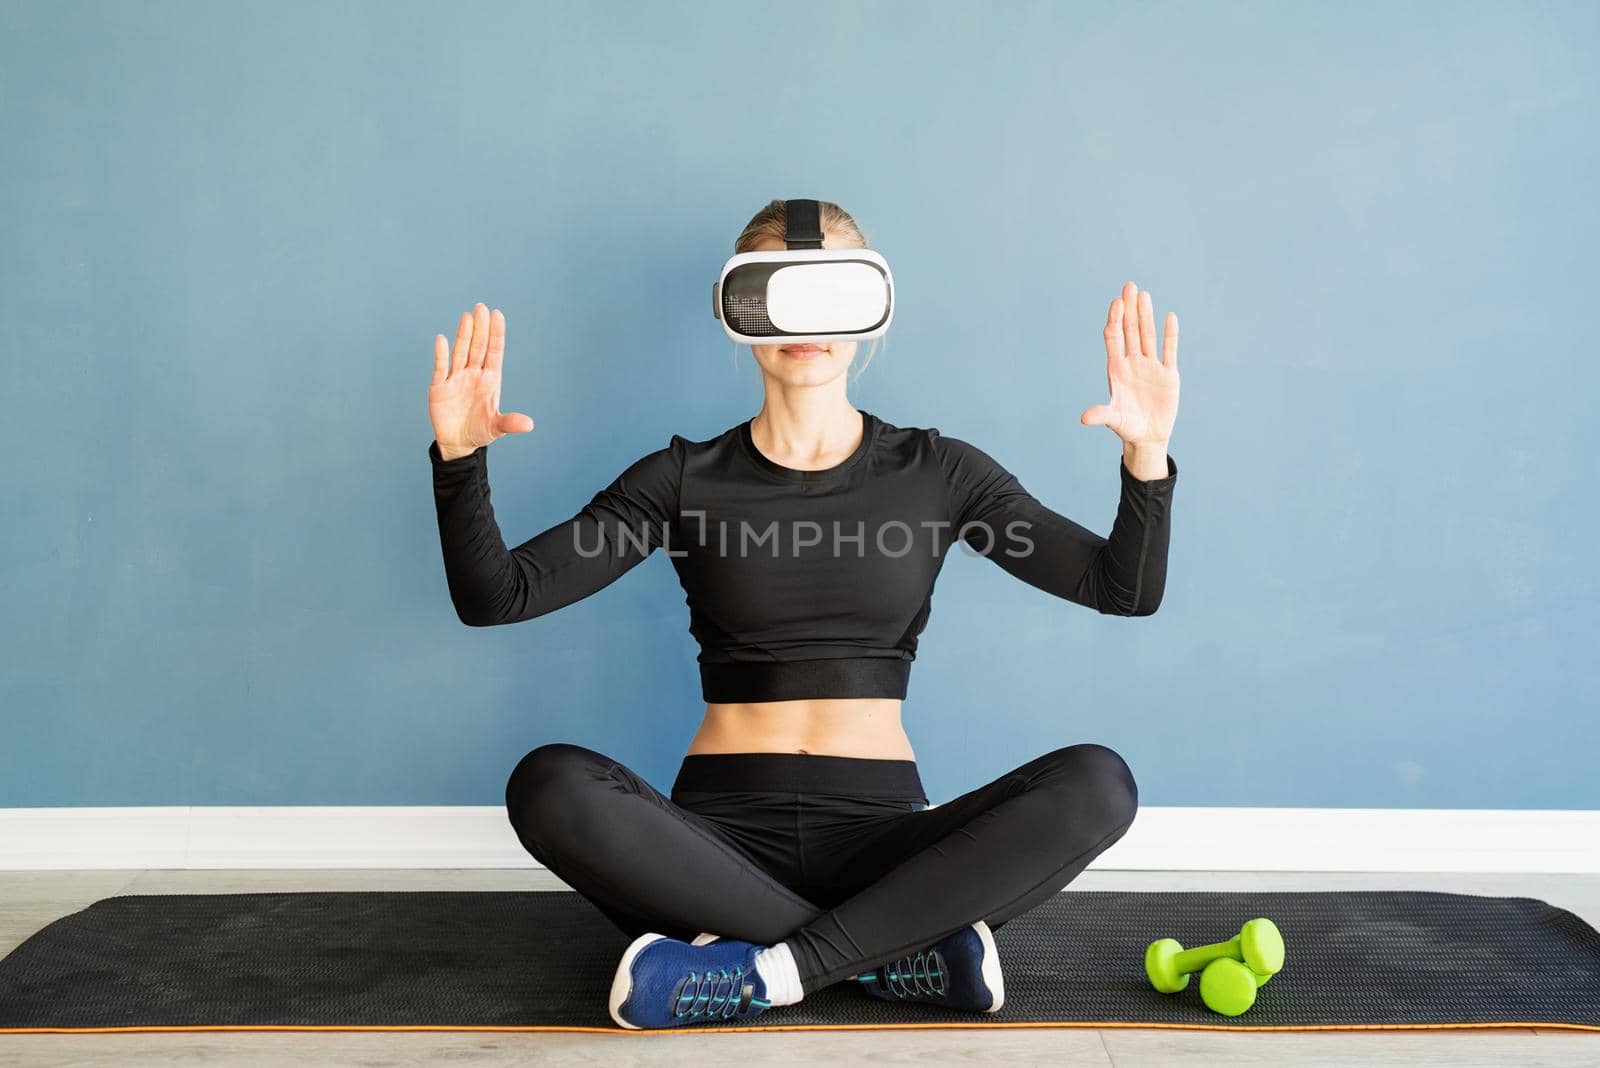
pixel 29 900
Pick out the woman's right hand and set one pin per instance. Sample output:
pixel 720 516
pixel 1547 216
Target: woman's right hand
pixel 464 396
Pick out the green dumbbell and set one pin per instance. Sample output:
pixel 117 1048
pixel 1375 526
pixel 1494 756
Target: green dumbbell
pixel 1258 946
pixel 1228 987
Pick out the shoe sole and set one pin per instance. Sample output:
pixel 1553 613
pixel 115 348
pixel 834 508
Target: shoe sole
pixel 622 982
pixel 991 966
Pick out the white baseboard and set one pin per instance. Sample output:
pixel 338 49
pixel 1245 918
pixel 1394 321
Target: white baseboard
pixel 1162 839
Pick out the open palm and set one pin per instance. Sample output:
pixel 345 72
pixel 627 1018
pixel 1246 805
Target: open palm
pixel 1144 389
pixel 464 396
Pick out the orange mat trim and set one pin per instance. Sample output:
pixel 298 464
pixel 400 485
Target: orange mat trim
pixel 812 1027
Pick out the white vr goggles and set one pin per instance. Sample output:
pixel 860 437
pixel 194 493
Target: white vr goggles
pixel 806 292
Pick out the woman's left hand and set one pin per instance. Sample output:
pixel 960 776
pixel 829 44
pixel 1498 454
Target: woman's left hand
pixel 1144 389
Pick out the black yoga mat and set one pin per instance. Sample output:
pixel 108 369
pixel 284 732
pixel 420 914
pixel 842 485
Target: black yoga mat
pixel 544 960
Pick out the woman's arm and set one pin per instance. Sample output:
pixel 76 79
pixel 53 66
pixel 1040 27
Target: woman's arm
pixel 615 531
pixel 490 584
pixel 1124 574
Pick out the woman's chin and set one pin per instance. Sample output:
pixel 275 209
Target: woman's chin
pixel 811 374
pixel 800 371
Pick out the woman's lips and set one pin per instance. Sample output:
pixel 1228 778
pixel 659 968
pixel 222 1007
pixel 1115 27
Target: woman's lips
pixel 803 352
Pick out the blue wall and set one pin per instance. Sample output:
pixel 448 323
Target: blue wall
pixel 229 232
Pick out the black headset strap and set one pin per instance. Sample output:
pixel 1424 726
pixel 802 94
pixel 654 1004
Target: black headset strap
pixel 803 224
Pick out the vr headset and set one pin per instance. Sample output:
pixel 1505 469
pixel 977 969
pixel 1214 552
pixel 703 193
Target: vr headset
pixel 805 293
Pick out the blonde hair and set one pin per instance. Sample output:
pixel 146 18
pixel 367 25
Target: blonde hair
pixel 773 220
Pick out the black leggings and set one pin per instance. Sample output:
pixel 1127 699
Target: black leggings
pixel 840 857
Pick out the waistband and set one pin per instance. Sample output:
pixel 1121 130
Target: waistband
pixel 801 773
pixel 800 680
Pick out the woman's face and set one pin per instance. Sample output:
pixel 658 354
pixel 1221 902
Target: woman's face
pixel 812 363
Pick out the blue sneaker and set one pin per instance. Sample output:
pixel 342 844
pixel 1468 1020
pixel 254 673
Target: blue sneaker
pixel 662 982
pixel 961 971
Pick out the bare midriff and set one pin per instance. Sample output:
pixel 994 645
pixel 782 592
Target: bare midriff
pixel 865 727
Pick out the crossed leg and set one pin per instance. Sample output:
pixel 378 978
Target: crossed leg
pixel 991 854
pixel 645 862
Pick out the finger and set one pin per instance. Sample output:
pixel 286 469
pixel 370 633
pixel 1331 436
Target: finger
pixel 1099 415
pixel 1169 343
pixel 513 423
pixel 1147 325
pixel 463 342
pixel 480 334
pixel 1130 319
pixel 497 342
pixel 1114 348
pixel 441 359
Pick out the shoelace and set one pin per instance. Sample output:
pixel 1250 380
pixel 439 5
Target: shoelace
pixel 715 995
pixel 921 974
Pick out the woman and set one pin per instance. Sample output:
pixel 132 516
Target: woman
pixel 797 840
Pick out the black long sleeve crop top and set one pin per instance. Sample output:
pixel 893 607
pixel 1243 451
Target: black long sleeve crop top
pixel 801 584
